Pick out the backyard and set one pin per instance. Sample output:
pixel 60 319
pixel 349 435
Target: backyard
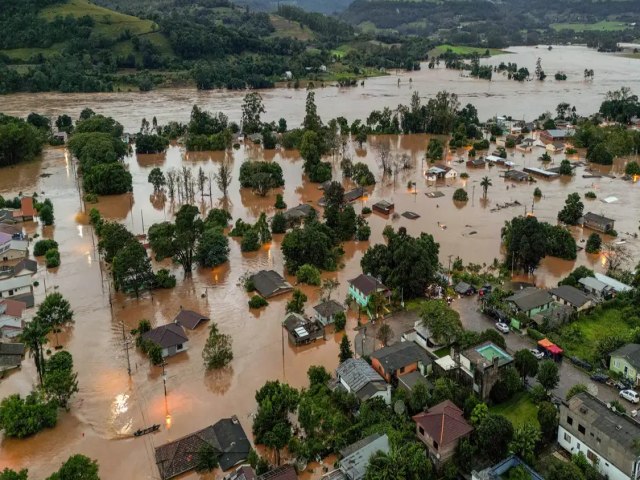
pixel 519 409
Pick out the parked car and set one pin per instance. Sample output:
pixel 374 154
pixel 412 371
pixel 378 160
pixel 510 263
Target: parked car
pixel 537 353
pixel 497 314
pixel 485 290
pixel 582 363
pixel 502 327
pixel 600 377
pixel 630 395
pixel 616 384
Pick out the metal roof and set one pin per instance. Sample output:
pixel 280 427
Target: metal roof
pixel 399 355
pixel 570 294
pixel 355 457
pixel 356 373
pixel 613 283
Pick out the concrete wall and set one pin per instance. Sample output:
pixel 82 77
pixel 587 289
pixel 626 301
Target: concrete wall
pixel 438 453
pixel 573 445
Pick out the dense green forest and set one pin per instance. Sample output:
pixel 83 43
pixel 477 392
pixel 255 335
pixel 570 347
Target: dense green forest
pixel 74 45
pixel 321 6
pixel 500 24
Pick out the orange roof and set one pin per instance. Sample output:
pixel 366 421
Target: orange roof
pixel 444 423
pixel 26 208
pixel 545 343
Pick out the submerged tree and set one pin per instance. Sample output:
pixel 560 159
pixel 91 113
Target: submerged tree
pixel 217 350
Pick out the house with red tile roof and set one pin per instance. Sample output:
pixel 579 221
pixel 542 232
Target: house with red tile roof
pixel 27 210
pixel 441 428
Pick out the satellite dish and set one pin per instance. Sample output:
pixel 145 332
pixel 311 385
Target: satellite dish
pixel 592 389
pixel 399 407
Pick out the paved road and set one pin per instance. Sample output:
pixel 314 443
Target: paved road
pixel 472 319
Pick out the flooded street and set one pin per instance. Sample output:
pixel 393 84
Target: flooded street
pixel 111 405
pixel 497 97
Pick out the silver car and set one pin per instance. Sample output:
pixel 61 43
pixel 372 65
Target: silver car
pixel 503 327
pixel 630 395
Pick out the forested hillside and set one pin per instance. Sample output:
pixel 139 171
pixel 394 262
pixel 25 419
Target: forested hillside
pixel 74 45
pixel 322 6
pixel 502 23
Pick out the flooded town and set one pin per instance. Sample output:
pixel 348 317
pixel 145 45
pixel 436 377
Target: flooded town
pixel 421 374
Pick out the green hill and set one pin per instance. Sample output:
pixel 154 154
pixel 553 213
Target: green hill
pixel 105 23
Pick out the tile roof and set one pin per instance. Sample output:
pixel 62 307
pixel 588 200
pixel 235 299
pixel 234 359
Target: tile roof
pixel 630 352
pixel 226 436
pixel 12 308
pixel 26 208
pixel 367 284
pixel 189 319
pixel 245 472
pixel 328 308
pixel 399 355
pixel 356 373
pixel 530 298
pixel 355 457
pixel 269 283
pixel 570 294
pixel 444 423
pixel 166 336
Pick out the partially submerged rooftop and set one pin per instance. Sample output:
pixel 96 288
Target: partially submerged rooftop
pixel 189 319
pixel 270 283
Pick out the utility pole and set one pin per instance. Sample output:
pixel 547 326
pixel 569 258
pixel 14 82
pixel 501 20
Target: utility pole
pixel 142 218
pixel 450 268
pixel 164 378
pixel 473 195
pixel 126 347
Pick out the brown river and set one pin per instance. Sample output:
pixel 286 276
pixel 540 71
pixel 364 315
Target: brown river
pixel 111 405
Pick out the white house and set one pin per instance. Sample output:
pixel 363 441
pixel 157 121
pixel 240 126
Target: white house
pixel 10 287
pixel 607 439
pixel 11 318
pixel 438 172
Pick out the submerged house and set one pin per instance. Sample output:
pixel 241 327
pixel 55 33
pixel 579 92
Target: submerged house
pixel 11 355
pixel 270 283
pixel 326 311
pixel 296 215
pixel 170 338
pixel 383 207
pixel 189 319
pixel 441 172
pixel 364 286
pixel 301 329
pixel 596 222
pixel 11 318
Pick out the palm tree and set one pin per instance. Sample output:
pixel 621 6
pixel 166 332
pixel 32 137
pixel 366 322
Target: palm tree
pixel 34 335
pixel 485 184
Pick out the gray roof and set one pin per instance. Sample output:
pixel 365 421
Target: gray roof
pixel 12 349
pixel 284 472
pixel 410 380
pixel 355 457
pixel 166 336
pixel 367 284
pixel 593 284
pixel 328 308
pixel 530 298
pixel 516 175
pixel 595 218
pixel 619 428
pixel 26 264
pixel 269 283
pixel 462 287
pixel 570 294
pixel 189 319
pixel 300 212
pixel 613 283
pixel 399 355
pixel 356 373
pixel 502 469
pixel 630 352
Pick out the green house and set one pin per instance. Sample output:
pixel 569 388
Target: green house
pixel 530 301
pixel 363 286
pixel 626 360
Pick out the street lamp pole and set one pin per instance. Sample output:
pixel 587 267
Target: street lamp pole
pixel 164 378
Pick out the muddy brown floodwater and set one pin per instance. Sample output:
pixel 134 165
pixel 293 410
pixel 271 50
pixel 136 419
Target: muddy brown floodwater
pixel 497 97
pixel 111 405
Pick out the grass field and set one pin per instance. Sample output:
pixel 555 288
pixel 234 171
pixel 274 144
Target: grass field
pixel 604 26
pixel 580 337
pixel 287 28
pixel 520 409
pixel 464 50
